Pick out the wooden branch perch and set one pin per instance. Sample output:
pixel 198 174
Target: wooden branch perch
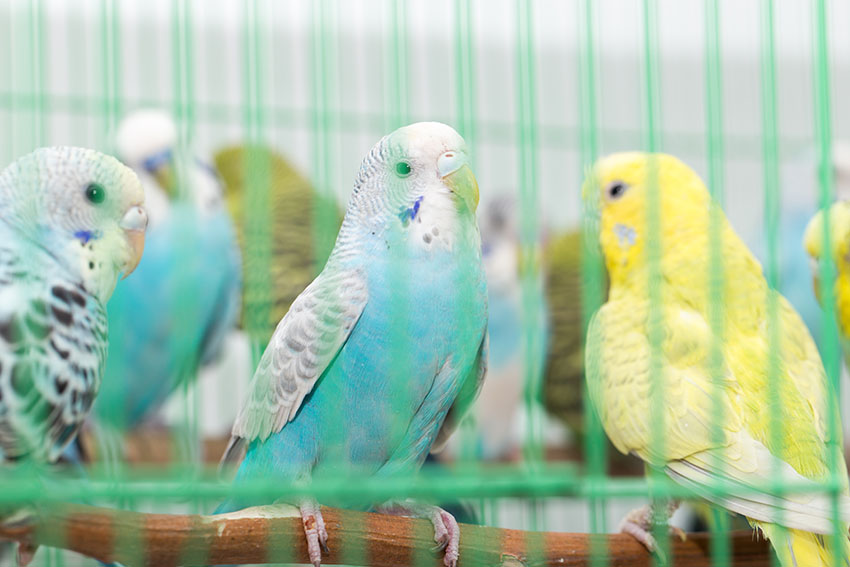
pixel 271 534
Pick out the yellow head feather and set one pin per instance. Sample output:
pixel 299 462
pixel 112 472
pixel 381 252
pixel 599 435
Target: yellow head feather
pixel 619 191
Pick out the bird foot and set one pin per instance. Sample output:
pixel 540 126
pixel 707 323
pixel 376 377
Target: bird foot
pixel 314 529
pixel 446 530
pixel 638 524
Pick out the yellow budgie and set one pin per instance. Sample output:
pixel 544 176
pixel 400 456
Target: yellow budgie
pixel 740 451
pixel 839 245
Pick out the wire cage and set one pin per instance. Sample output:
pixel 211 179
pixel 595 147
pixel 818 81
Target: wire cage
pixel 277 102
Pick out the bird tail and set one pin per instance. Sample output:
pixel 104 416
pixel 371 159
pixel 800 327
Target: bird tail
pixel 796 548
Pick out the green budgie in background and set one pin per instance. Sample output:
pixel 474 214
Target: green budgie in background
pixel 564 374
pixel 293 206
pixel 562 385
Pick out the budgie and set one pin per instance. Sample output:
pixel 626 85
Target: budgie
pixel 71 221
pixel 176 311
pixel 743 450
pixel 562 387
pixel 393 329
pixel 298 216
pixel 500 412
pixel 799 203
pixel 839 247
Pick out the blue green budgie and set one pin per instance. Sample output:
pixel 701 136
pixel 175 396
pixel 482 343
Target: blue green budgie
pixel 176 311
pixel 71 221
pixel 393 330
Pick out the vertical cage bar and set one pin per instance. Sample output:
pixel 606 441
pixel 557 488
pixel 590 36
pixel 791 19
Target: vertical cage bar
pixel 325 130
pixel 110 72
pixel 592 269
pixel 716 276
pixel 257 214
pixel 655 322
pixel 772 219
pixel 831 353
pixel 530 291
pixel 465 73
pixel 397 81
pixel 39 72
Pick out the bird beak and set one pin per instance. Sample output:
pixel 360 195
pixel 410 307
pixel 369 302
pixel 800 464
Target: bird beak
pixel 166 178
pixel 161 167
pixel 457 176
pixel 134 223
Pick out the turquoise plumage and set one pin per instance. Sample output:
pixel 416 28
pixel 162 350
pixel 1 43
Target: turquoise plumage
pixel 172 316
pixel 175 313
pixel 377 359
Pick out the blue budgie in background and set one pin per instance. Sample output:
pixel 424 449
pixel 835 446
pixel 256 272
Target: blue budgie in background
pixel 71 221
pixel 500 414
pixel 377 360
pixel 185 296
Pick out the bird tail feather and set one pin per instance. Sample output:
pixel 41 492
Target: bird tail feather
pixel 796 548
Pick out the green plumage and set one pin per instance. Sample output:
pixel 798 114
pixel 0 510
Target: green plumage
pixel 290 234
pixel 562 387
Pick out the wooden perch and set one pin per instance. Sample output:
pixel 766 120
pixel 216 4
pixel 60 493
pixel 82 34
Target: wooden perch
pixel 272 534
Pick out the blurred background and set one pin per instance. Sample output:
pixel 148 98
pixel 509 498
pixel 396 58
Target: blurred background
pixel 257 100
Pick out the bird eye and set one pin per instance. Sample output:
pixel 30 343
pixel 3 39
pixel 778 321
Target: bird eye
pixel 403 169
pixel 95 193
pixel 615 190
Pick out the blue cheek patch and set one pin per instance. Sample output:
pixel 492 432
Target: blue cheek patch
pixel 626 235
pixel 154 162
pixel 85 236
pixel 409 214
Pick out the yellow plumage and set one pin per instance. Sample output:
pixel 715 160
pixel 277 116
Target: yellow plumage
pixel 839 247
pixel 717 410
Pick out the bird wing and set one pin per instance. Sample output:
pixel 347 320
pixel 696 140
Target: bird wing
pixel 305 342
pixel 759 485
pixel 53 339
pixel 622 380
pixel 707 441
pixel 469 391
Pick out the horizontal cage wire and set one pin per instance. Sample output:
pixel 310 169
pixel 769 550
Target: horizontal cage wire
pixel 628 218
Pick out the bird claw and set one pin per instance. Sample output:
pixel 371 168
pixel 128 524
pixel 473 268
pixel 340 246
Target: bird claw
pixel 26 553
pixel 446 530
pixel 447 535
pixel 638 524
pixel 315 531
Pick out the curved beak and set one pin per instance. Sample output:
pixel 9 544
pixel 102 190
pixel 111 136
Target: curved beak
pixel 134 223
pixel 457 176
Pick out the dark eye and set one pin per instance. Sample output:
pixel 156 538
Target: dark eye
pixel 95 193
pixel 402 169
pixel 616 190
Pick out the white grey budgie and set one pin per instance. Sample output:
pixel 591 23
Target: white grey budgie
pixel 71 221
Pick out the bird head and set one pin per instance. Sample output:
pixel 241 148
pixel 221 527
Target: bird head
pixel 500 243
pixel 837 245
pixel 83 207
pixel 617 192
pixel 146 141
pixel 418 172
